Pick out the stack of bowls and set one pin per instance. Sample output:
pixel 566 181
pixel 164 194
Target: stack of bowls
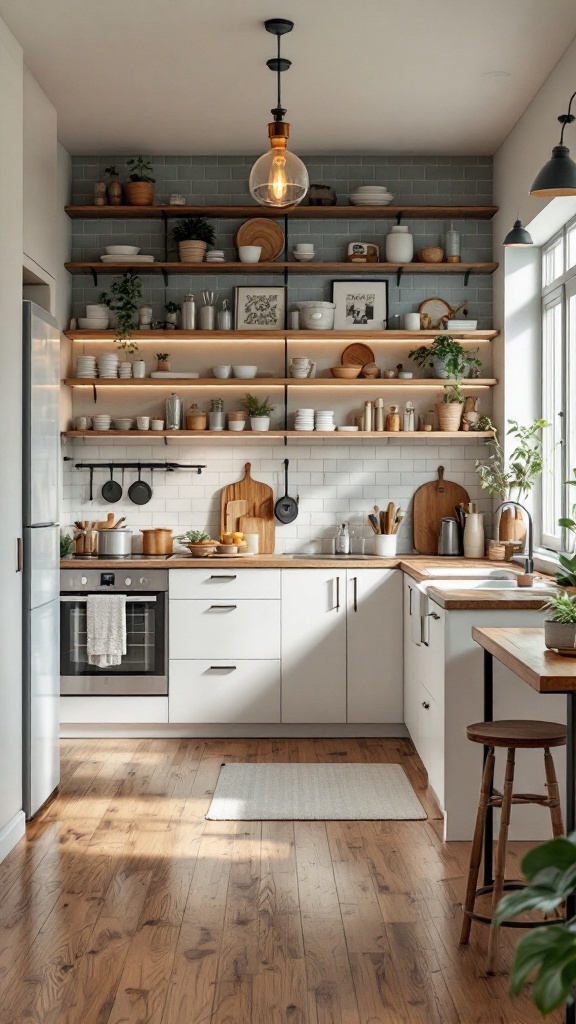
pixel 107 366
pixel 123 423
pixel 300 367
pixel 101 422
pixel 125 370
pixel 97 317
pixel 304 252
pixel 325 420
pixel 86 366
pixel 304 419
pixel 371 195
pixel 215 256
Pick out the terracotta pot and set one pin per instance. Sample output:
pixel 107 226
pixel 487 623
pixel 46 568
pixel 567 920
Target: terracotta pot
pixel 192 251
pixel 139 193
pixel 449 415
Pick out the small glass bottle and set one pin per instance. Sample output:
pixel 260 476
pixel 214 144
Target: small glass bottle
pixel 342 545
pixel 452 245
pixel 224 318
pixel 189 313
pixel 216 414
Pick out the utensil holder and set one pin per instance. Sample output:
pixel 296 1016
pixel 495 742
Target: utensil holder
pixel 385 544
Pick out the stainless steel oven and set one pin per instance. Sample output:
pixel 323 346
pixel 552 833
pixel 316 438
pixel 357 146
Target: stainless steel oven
pixel 144 668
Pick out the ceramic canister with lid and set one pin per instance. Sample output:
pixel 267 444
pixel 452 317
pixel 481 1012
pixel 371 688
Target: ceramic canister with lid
pixel 399 245
pixel 173 412
pixel 189 313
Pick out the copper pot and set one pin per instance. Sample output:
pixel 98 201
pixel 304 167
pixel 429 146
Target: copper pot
pixel 157 542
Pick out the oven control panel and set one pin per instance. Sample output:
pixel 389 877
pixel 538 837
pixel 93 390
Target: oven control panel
pixel 108 581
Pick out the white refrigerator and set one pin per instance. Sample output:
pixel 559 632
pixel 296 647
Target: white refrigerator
pixel 41 556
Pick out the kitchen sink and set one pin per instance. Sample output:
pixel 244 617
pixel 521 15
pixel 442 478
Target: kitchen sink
pixel 444 572
pixel 489 584
pixel 339 558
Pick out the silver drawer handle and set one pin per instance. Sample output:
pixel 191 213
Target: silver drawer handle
pixel 223 576
pixel 223 607
pixel 82 598
pixel 222 668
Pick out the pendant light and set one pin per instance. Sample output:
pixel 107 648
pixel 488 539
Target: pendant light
pixel 558 176
pixel 279 178
pixel 518 236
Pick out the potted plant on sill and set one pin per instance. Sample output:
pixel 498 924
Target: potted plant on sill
pixel 114 188
pixel 140 188
pixel 566 575
pixel 449 410
pixel 446 356
pixel 515 482
pixel 172 310
pixel 193 235
pixel 560 627
pixel 126 292
pixel 258 411
pixel 163 363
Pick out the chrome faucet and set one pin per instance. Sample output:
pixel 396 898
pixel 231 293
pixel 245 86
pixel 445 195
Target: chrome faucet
pixel 529 561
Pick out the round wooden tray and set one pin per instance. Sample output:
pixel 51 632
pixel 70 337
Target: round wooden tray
pixel 266 233
pixel 357 354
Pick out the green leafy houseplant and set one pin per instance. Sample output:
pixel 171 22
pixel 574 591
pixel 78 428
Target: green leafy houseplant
pixel 126 292
pixel 566 575
pixel 194 537
pixel 452 393
pixel 444 349
pixel 112 172
pixel 172 307
pixel 515 477
pixel 139 170
pixel 563 608
pixel 66 545
pixel 257 407
pixel 550 870
pixel 193 229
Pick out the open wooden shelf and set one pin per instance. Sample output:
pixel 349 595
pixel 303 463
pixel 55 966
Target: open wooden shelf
pixel 274 382
pixel 212 269
pixel 297 212
pixel 389 337
pixel 275 434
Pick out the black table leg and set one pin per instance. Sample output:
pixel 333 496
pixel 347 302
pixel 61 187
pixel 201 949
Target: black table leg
pixel 570 1016
pixel 488 717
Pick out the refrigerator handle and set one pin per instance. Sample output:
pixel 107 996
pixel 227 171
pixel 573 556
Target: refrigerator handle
pixel 19 559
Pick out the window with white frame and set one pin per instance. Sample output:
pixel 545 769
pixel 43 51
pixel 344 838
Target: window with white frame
pixel 558 383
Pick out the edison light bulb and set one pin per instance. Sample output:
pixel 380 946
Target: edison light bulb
pixel 279 178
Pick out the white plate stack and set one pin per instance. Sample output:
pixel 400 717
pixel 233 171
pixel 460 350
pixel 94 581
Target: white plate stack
pixel 215 256
pixel 371 195
pixel 86 366
pixel 304 419
pixel 325 420
pixel 125 370
pixel 101 422
pixel 107 366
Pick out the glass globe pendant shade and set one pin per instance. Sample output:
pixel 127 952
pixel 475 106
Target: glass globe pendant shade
pixel 279 178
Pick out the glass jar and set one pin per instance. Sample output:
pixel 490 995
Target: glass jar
pixel 189 313
pixel 216 414
pixel 452 245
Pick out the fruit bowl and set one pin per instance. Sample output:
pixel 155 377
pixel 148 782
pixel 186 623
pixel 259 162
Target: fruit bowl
pixel 202 549
pixel 346 372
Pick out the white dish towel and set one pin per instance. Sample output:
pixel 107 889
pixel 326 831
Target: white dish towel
pixel 106 629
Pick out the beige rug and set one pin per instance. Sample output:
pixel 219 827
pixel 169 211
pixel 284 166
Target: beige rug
pixel 319 792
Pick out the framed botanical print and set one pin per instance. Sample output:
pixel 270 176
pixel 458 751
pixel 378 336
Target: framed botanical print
pixel 360 305
pixel 260 308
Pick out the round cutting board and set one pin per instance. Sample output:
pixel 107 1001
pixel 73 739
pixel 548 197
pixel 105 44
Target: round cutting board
pixel 357 354
pixel 266 233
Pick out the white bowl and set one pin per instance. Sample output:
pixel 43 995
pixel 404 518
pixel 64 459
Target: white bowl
pixel 96 309
pixel 244 372
pixel 86 323
pixel 249 253
pixel 122 250
pixel 222 372
pixel 304 257
pixel 124 423
pixel 236 424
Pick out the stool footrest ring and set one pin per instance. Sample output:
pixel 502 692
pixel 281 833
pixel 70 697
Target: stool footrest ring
pixel 509 886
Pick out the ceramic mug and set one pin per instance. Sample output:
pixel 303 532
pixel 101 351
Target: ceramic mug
pixel 249 253
pixel 143 422
pixel 411 321
pixel 157 424
pixel 252 543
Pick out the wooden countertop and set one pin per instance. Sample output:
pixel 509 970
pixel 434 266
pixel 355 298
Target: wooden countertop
pixel 522 650
pixel 489 600
pixel 242 562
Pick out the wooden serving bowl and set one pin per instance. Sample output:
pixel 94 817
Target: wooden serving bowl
pixel 346 372
pixel 431 254
pixel 202 549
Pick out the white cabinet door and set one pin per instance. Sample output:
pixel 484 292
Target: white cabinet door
pixel 224 628
pixel 220 691
pixel 431 736
pixel 411 659
pixel 374 650
pixel 313 645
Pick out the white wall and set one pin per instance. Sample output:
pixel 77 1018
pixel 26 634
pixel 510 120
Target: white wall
pixel 40 180
pixel 11 240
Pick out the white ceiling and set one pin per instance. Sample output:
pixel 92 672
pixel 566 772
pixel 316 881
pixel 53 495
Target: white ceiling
pixel 368 76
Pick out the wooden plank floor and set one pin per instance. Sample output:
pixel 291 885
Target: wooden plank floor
pixel 123 905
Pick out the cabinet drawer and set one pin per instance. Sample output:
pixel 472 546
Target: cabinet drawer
pixel 224 691
pixel 224 628
pixel 219 582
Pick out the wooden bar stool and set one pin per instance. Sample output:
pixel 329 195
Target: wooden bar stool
pixel 514 735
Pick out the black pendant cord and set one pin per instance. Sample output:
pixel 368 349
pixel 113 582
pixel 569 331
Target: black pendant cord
pixel 566 118
pixel 278 76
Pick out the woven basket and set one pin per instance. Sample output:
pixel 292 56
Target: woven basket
pixel 139 193
pixel 191 252
pixel 432 254
pixel 449 415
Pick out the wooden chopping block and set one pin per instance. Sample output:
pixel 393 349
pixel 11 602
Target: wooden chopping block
pixel 260 505
pixel 432 502
pixel 234 510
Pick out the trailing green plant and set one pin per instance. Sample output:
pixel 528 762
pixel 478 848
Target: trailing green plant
pixel 446 350
pixel 194 536
pixel 66 545
pixel 193 229
pixel 502 477
pixel 139 169
pixel 126 292
pixel 453 394
pixel 112 171
pixel 256 406
pixel 550 870
pixel 566 575
pixel 172 307
pixel 563 608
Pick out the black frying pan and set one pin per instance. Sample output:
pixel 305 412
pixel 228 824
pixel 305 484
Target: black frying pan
pixel 140 492
pixel 111 490
pixel 286 508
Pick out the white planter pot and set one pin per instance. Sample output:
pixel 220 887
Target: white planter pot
pixel 560 636
pixel 259 423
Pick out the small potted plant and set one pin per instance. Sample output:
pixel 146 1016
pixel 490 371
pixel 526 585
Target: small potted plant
pixel 258 411
pixel 140 188
pixel 163 363
pixel 450 408
pixel 193 235
pixel 446 357
pixel 67 545
pixel 172 310
pixel 515 478
pixel 123 300
pixel 114 188
pixel 560 626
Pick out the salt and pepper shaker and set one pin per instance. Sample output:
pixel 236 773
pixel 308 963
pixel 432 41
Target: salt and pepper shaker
pixel 189 313
pixel 368 415
pixel 379 414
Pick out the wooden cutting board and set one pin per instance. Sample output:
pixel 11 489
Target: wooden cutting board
pixel 260 504
pixel 253 524
pixel 432 502
pixel 234 511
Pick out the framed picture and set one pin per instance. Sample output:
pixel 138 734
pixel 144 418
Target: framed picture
pixel 260 308
pixel 360 305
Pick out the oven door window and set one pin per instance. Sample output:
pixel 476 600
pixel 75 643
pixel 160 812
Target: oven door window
pixel 145 638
